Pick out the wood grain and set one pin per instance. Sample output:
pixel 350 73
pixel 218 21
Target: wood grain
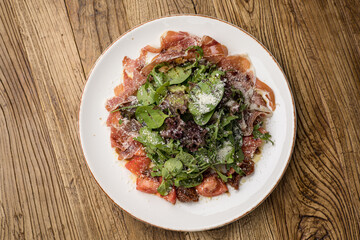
pixel 47 49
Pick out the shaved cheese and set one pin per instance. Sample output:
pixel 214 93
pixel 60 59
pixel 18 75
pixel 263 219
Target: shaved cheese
pixel 204 100
pixel 224 151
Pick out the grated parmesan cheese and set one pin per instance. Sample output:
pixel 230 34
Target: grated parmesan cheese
pixel 204 100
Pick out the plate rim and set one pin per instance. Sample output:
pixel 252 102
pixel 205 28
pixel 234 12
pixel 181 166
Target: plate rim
pixel 292 101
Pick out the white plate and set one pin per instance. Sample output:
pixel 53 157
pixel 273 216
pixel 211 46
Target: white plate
pixel 118 183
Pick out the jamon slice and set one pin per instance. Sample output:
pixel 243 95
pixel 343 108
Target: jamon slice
pixel 133 79
pixel 240 75
pixel 267 94
pixel 175 41
pixel 122 136
pixel 248 120
pixel 173 46
pixel 249 146
pixel 213 50
pixel 240 72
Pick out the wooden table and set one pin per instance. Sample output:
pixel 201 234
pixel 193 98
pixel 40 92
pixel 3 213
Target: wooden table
pixel 47 49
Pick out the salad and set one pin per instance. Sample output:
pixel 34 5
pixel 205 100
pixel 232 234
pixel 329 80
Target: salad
pixel 190 121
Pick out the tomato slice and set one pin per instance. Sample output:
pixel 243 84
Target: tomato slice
pixel 271 96
pixel 138 164
pixel 147 184
pixel 171 197
pixel 212 186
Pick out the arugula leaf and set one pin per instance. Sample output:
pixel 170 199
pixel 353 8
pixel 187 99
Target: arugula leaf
pixel 120 121
pixel 188 160
pixel 227 120
pixel 170 148
pixel 216 126
pixel 161 92
pixel 177 75
pixel 237 169
pixel 239 155
pixel 242 107
pixel 188 182
pixel 205 96
pixel 146 94
pixel 263 136
pixel 165 187
pixel 202 158
pixel 221 175
pixel 154 118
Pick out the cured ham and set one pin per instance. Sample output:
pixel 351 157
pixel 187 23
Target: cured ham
pixel 250 145
pixel 213 50
pixel 122 136
pixel 173 46
pixel 248 120
pixel 269 96
pixel 132 80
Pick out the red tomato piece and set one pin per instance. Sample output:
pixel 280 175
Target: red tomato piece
pixel 171 197
pixel 212 186
pixel 147 184
pixel 137 165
